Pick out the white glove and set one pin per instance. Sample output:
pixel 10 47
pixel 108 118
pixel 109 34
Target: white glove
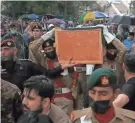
pixel 89 69
pixel 108 36
pixel 48 35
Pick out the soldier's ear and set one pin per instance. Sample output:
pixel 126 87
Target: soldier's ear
pixel 104 51
pixel 117 92
pixel 46 102
pixel 15 51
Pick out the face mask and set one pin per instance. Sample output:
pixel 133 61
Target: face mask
pixel 110 56
pixel 100 107
pixel 51 55
pixel 13 31
pixel 128 38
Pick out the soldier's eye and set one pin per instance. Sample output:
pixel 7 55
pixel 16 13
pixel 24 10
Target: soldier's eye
pixel 104 93
pixel 92 92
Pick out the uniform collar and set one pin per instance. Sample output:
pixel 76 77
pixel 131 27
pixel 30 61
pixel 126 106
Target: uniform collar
pixel 118 114
pixel 17 61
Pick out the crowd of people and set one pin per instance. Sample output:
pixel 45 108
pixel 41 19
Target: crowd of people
pixel 36 88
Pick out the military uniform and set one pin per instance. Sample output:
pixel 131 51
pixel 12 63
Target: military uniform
pixel 63 83
pixel 10 102
pixel 87 116
pixel 97 113
pixel 23 69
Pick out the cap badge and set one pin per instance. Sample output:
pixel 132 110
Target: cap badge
pixel 104 80
pixel 47 44
pixel 9 43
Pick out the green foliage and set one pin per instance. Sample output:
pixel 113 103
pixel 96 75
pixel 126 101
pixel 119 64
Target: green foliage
pixel 67 9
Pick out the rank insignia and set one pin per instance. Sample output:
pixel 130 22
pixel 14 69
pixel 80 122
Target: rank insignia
pixel 104 80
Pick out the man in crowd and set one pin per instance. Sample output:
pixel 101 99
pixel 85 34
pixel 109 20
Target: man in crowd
pixel 37 96
pixel 17 71
pixel 102 91
pixel 126 98
pixel 129 41
pixel 10 102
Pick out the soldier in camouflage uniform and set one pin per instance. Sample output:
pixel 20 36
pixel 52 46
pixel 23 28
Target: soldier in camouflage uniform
pixel 10 102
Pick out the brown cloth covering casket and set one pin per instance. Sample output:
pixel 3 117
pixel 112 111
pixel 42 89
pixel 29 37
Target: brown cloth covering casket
pixel 83 46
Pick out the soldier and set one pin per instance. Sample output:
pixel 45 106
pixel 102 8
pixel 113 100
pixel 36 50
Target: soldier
pixel 17 71
pixel 18 38
pixel 10 102
pixel 63 83
pixel 37 95
pixel 102 91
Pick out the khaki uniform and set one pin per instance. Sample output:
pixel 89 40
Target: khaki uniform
pixel 87 116
pixel 57 115
pixel 64 98
pixel 117 64
pixel 10 102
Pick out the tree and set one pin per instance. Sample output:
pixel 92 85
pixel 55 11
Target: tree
pixel 68 9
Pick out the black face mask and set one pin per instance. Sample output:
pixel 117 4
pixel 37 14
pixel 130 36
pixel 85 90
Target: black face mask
pixel 100 107
pixel 51 55
pixel 110 56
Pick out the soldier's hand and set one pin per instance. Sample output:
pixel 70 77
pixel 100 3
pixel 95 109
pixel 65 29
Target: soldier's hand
pixel 108 36
pixel 68 64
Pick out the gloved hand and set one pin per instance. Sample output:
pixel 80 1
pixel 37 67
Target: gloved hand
pixel 108 36
pixel 48 35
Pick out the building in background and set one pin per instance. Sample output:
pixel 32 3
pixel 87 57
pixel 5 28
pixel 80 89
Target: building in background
pixel 115 6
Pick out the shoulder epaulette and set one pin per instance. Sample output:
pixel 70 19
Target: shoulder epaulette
pixel 128 113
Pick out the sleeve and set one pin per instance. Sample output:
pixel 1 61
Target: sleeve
pixel 129 90
pixel 51 73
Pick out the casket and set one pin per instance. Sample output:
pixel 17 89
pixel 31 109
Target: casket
pixel 83 46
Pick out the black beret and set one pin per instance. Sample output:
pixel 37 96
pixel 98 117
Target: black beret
pixel 48 43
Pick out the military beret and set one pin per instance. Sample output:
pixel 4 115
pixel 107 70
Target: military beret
pixel 48 43
pixel 36 26
pixel 8 43
pixel 102 77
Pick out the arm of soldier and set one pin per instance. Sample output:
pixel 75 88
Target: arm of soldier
pixel 31 56
pixel 125 96
pixel 121 48
pixel 52 73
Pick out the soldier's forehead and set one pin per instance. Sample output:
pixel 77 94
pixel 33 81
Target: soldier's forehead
pixel 28 92
pixel 98 88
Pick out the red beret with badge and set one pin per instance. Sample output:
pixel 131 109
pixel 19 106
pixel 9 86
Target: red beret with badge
pixel 8 43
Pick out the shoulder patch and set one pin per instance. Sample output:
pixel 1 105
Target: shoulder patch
pixel 128 113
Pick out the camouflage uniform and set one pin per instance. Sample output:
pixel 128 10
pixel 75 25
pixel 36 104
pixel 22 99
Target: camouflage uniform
pixel 10 102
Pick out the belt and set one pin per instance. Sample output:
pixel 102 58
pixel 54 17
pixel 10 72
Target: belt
pixel 80 69
pixel 62 90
